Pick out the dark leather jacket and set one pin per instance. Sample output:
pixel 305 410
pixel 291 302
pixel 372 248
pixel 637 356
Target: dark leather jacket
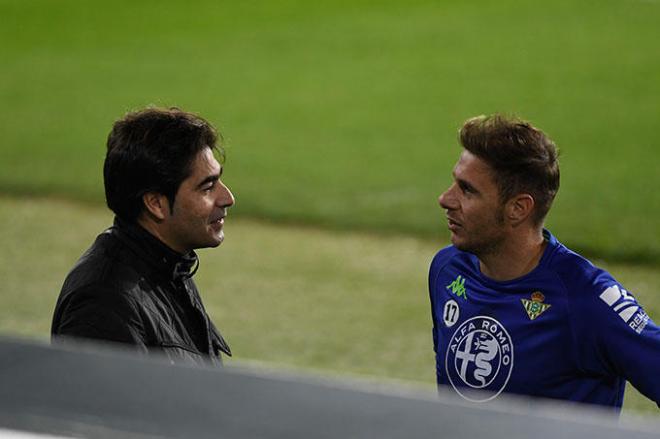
pixel 131 288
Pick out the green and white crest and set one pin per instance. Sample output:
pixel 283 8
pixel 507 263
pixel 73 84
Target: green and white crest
pixel 535 307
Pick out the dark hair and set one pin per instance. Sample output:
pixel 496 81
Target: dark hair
pixel 523 157
pixel 152 150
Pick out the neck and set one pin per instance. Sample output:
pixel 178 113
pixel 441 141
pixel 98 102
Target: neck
pixel 515 258
pixel 153 228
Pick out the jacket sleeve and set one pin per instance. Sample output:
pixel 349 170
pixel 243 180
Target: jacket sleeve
pixel 99 313
pixel 617 337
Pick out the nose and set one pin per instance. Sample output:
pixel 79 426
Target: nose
pixel 225 197
pixel 447 200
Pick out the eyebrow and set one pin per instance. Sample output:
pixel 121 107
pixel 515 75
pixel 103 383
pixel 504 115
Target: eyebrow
pixel 210 179
pixel 466 184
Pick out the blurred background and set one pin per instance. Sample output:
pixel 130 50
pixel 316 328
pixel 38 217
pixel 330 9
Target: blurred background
pixel 340 124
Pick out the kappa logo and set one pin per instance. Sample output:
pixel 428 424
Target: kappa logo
pixel 457 287
pixel 479 357
pixel 623 303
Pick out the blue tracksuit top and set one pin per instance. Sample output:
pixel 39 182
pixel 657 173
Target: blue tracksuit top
pixel 567 330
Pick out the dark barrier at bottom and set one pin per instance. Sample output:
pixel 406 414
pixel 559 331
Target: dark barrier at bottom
pixel 105 394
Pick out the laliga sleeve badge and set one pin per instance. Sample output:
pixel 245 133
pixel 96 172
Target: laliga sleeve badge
pixel 535 307
pixel 451 313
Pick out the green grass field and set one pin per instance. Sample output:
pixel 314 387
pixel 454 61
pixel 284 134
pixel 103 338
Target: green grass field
pixel 340 122
pixel 294 297
pixel 344 114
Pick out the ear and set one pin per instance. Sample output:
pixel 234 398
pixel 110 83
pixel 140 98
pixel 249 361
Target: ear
pixel 156 205
pixel 519 208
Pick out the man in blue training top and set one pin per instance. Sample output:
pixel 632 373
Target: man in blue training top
pixel 513 309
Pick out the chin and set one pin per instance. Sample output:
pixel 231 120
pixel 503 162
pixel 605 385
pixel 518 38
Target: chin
pixel 211 243
pixel 219 239
pixel 215 242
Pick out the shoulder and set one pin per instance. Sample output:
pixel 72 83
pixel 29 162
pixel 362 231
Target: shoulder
pixel 578 274
pixel 93 305
pixel 107 261
pixel 103 277
pixel 582 281
pixel 444 257
pixel 610 328
pixel 97 297
pixel 93 263
pixel 449 259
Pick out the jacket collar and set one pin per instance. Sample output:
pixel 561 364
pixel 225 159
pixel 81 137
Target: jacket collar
pixel 164 260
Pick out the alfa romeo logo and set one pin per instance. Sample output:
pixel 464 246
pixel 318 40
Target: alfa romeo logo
pixel 479 358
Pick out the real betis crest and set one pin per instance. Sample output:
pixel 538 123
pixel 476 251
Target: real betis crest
pixel 535 307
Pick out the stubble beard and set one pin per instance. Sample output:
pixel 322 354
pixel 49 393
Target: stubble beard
pixel 487 246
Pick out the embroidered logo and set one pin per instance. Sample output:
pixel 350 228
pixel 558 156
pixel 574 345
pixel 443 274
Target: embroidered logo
pixel 624 304
pixel 457 287
pixel 535 307
pixel 479 359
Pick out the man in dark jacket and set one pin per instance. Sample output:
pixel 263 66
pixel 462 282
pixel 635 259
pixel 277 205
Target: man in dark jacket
pixel 134 285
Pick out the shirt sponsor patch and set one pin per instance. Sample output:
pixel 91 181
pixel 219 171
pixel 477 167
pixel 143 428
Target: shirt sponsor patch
pixel 479 359
pixel 625 305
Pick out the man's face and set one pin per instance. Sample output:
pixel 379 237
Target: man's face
pixel 200 206
pixel 474 212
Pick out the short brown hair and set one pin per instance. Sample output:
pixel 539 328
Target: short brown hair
pixel 523 157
